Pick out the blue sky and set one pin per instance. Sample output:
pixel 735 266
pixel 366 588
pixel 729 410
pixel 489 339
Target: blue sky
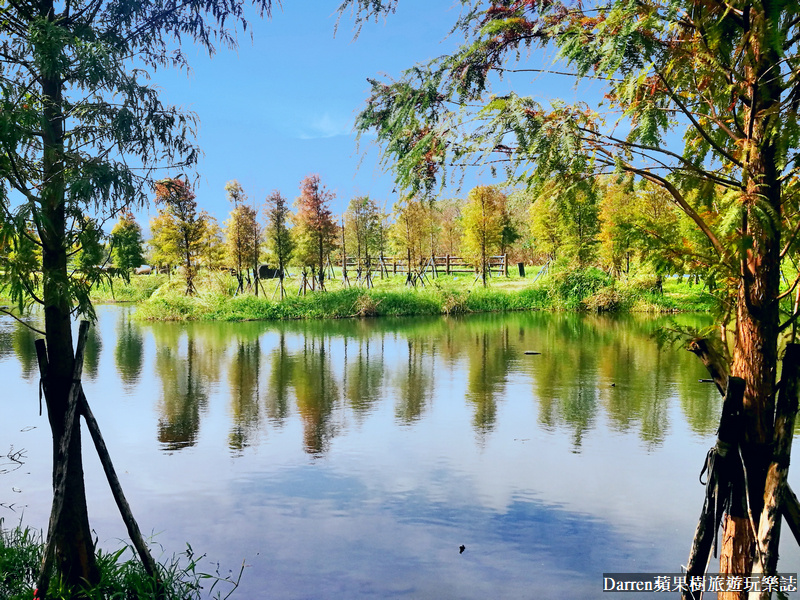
pixel 282 105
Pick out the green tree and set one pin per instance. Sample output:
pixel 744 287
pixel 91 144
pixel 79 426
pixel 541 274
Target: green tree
pixel 407 232
pixel 242 233
pixel 482 219
pixel 545 226
pixel 361 223
pixel 721 77
pixel 89 252
pixel 314 227
pixel 163 247
pixel 21 259
pixel 78 109
pixel 280 242
pixel 212 246
pixel 127 244
pixel 617 213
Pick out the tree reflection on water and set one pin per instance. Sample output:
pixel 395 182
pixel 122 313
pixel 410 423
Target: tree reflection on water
pixel 589 367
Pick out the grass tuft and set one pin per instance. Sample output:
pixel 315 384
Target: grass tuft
pixel 122 576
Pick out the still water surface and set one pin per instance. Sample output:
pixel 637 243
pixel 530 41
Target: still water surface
pixel 351 459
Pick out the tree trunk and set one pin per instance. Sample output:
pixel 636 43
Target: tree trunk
pixel 756 348
pixel 755 355
pixel 73 543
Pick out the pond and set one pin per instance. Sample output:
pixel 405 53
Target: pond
pixel 352 459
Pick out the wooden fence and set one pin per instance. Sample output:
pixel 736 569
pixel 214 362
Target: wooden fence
pixel 432 265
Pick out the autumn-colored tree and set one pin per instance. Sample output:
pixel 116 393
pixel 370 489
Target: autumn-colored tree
pixel 127 244
pixel 482 219
pixel 184 227
pixel 279 237
pixel 315 230
pixel 709 92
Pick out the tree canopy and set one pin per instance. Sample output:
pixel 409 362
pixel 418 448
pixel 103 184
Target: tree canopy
pixel 127 244
pixel 314 229
pixel 279 237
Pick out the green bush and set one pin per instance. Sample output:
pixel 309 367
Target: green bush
pixel 571 287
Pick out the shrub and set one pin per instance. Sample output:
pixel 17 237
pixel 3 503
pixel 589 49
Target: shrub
pixel 571 287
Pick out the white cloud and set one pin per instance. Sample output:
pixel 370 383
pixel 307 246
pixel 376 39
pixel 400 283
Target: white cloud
pixel 325 125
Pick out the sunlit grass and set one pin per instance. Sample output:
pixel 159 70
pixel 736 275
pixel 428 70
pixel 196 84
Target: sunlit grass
pixel 590 289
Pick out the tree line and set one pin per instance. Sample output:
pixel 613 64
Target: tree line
pixel 609 223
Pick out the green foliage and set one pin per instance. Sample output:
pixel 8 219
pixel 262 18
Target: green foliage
pixel 242 231
pixel 590 289
pixel 572 286
pixel 127 244
pixel 20 257
pixel 181 229
pixel 135 289
pixel 483 223
pixel 362 228
pixel 90 252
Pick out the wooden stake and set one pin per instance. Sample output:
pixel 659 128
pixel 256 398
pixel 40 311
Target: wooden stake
pixel 60 477
pixel 717 488
pixel 77 404
pixel 791 511
pixel 116 489
pixel 790 507
pixel 766 560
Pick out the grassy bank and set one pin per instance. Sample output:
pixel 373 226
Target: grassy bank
pixel 122 575
pixel 589 290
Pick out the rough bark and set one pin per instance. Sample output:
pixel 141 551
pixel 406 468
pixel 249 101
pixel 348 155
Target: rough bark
pixel 73 544
pixel 757 325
